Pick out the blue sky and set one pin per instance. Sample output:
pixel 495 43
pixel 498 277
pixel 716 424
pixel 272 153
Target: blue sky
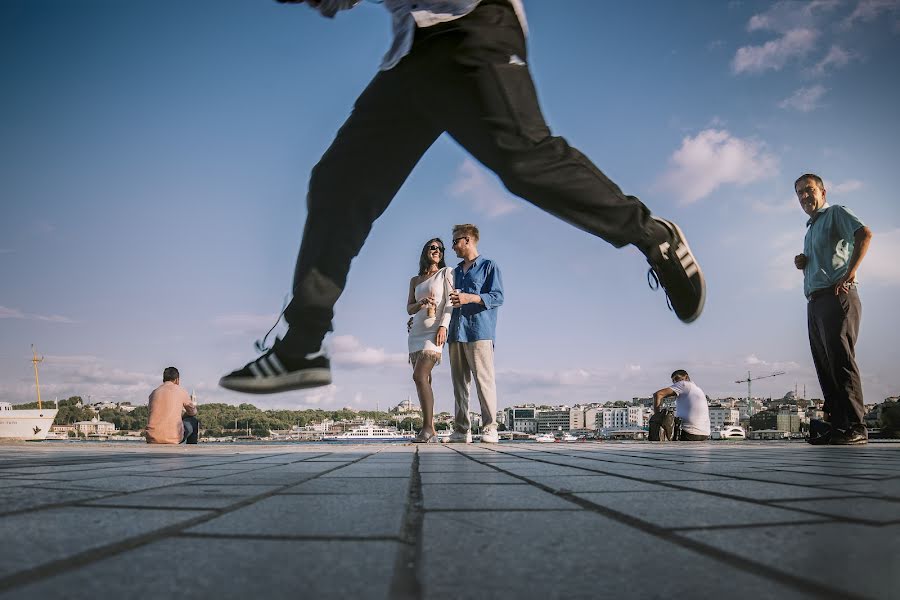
pixel 154 158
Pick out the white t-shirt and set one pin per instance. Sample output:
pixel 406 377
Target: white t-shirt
pixel 691 407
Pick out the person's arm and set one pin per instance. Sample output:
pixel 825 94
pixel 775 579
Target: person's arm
pixel 441 335
pixel 658 397
pixel 861 239
pixel 190 409
pixel 413 306
pixel 492 290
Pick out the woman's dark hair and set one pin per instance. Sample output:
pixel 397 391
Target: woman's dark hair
pixel 423 258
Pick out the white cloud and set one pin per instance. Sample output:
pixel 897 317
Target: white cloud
pixel 85 376
pixel 790 14
pixel 805 99
pixel 714 158
pixel 880 266
pixel 777 206
pixel 349 352
pixel 837 57
pixel 774 54
pixel 844 187
pixel 14 313
pixel 481 189
pixel 869 10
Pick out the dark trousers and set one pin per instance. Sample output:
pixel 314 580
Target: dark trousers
pixel 662 426
pixel 191 430
pixel 833 323
pixel 466 77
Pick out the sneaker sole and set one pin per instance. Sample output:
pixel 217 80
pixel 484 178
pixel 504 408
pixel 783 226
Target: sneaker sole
pixel 301 380
pixel 692 317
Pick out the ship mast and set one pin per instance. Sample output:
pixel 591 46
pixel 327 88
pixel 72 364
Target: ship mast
pixel 35 360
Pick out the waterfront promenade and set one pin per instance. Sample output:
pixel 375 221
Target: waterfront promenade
pixel 514 520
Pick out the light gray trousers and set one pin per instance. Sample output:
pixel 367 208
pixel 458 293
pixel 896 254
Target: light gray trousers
pixel 468 359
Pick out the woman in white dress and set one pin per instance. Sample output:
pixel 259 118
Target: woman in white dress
pixel 429 303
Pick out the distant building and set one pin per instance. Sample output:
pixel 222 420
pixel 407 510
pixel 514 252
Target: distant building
pixel 788 419
pixel 405 407
pixel 620 417
pixel 95 427
pixel 553 419
pixel 521 418
pixel 720 416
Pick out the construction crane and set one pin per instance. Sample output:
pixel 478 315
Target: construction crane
pixel 748 382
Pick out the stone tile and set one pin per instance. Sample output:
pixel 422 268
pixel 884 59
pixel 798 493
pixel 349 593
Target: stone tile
pixel 6 482
pixel 594 483
pixel 231 570
pixel 124 483
pixel 858 559
pixel 371 471
pixel 798 478
pixel 24 498
pixel 461 466
pixel 761 490
pixel 491 497
pixel 529 469
pixel 874 510
pixel 187 496
pixel 455 477
pixel 35 538
pixel 313 515
pixel 545 554
pixel 396 487
pixel 689 509
pixel 889 488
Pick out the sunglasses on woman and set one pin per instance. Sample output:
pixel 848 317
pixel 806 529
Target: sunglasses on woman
pixel 434 247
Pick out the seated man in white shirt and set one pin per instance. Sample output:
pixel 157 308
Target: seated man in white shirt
pixel 691 407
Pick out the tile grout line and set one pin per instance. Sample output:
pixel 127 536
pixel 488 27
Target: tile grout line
pixel 741 563
pixel 674 485
pixel 76 561
pixel 405 582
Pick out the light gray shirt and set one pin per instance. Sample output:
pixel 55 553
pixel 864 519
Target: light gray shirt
pixel 406 15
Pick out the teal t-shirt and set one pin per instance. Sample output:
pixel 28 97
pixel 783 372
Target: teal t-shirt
pixel 828 246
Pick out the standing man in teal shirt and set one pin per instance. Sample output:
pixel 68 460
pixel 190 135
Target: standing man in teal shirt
pixel 836 242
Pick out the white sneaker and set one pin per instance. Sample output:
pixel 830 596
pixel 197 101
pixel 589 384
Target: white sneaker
pixel 460 438
pixel 489 435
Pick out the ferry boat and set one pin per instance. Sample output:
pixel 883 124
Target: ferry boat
pixel 545 438
pixel 369 431
pixel 27 423
pixel 729 432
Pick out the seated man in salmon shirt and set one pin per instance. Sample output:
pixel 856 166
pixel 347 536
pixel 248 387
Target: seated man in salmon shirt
pixel 173 414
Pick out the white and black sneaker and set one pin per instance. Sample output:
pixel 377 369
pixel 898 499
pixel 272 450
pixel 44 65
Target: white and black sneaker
pixel 674 267
pixel 271 373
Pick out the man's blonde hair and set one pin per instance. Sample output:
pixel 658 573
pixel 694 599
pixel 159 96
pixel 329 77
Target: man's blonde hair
pixel 467 230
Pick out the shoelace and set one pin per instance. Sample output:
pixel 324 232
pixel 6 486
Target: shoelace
pixel 654 283
pixel 260 345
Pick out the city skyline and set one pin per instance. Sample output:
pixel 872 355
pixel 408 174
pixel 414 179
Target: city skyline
pixel 155 161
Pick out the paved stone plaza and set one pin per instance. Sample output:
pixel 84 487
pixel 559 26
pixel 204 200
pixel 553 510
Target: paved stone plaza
pixel 514 520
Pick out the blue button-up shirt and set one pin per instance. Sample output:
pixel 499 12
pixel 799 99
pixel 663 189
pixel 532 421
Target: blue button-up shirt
pixel 828 246
pixel 406 15
pixel 473 322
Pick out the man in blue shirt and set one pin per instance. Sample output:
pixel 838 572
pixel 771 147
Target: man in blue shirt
pixel 836 242
pixel 477 295
pixel 458 67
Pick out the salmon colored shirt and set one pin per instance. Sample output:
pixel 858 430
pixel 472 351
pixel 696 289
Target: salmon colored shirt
pixel 166 405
